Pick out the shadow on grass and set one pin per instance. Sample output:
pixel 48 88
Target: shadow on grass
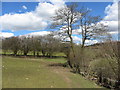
pixel 32 56
pixel 58 65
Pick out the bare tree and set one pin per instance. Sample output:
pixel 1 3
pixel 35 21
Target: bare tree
pixel 14 44
pixel 90 26
pixel 25 44
pixel 65 19
pixel 49 45
pixel 35 44
pixel 5 45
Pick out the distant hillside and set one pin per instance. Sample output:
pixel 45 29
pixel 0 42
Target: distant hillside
pixel 95 46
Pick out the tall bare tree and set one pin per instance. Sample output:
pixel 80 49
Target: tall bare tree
pixel 65 19
pixel 90 26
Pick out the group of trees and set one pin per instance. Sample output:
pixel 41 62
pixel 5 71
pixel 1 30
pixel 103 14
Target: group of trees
pixel 46 45
pixel 70 18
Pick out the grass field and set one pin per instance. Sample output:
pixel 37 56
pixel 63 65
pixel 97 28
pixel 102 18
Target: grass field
pixel 40 73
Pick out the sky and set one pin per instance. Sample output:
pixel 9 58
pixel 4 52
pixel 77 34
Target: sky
pixel 33 18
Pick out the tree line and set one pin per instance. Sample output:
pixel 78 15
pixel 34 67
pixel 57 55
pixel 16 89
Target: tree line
pixel 47 45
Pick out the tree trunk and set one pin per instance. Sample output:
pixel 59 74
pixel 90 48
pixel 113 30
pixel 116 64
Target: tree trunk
pixel 4 52
pixel 25 53
pixel 72 48
pixel 34 53
pixel 37 53
pixel 83 41
pixel 100 78
pixel 82 61
pixel 15 52
pixel 69 63
pixel 43 53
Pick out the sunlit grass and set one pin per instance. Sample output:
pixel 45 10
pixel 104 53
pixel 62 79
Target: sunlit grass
pixel 36 73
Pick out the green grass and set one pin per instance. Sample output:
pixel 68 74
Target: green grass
pixel 36 73
pixel 59 54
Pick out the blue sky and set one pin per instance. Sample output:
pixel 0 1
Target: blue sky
pixel 15 7
pixel 98 8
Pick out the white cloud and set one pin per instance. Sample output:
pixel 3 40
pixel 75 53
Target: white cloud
pixel 111 18
pixel 24 7
pixel 111 12
pixel 76 39
pixel 59 3
pixel 34 20
pixel 112 25
pixel 41 33
pixel 27 21
pixel 90 42
pixel 6 34
pixel 77 31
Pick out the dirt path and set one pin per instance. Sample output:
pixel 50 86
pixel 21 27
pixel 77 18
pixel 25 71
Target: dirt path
pixel 62 72
pixel 72 80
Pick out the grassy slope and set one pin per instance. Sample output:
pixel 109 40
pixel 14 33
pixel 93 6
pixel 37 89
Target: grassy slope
pixel 36 73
